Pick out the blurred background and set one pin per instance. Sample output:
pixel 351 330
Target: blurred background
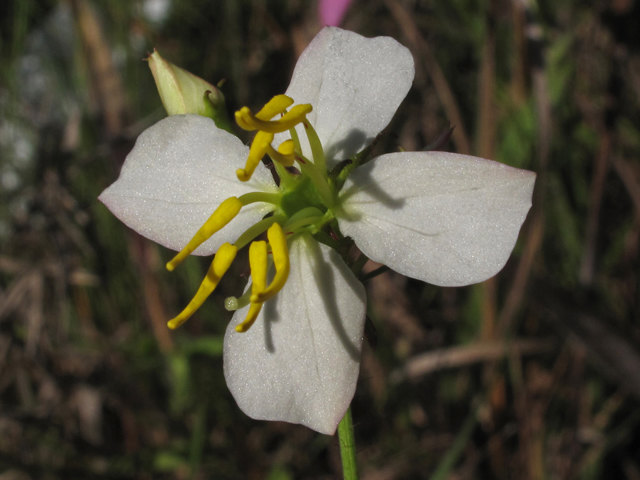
pixel 534 374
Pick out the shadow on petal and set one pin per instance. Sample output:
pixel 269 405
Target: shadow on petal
pixel 354 141
pixel 372 188
pixel 325 279
pixel 270 315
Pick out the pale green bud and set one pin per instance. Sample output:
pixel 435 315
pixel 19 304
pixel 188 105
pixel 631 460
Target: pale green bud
pixel 183 92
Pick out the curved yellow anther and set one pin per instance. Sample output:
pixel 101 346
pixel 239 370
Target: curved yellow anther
pixel 220 264
pixel 261 143
pixel 285 154
pixel 293 117
pixel 252 315
pixel 259 265
pixel 218 219
pixel 278 242
pixel 287 148
pixel 240 121
pixel 276 105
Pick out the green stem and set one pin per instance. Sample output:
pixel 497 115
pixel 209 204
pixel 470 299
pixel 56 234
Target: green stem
pixel 348 447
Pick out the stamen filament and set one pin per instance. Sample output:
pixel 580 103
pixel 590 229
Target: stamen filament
pixel 304 213
pixel 316 148
pixel 219 266
pixel 296 140
pixel 319 180
pixel 286 177
pixel 278 243
pixel 256 229
pixel 218 219
pixel 292 227
pixel 255 197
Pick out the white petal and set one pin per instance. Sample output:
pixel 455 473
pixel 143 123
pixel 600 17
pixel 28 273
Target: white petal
pixel 443 218
pixel 355 85
pixel 299 362
pixel 177 174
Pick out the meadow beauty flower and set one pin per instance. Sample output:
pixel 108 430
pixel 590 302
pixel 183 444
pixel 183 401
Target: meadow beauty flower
pixel 292 348
pixel 331 12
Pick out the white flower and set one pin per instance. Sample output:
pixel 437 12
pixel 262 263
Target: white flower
pixel 443 218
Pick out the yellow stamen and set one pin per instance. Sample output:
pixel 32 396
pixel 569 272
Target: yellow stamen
pixel 287 148
pixel 241 123
pixel 218 219
pixel 259 265
pixel 293 117
pixel 276 105
pixel 278 242
pixel 261 142
pixel 221 263
pixel 252 315
pixel 285 154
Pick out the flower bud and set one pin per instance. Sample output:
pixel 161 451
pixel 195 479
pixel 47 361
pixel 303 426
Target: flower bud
pixel 183 92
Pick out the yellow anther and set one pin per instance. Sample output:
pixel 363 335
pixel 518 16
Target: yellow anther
pixel 276 105
pixel 252 315
pixel 278 242
pixel 241 123
pixel 261 143
pixel 285 154
pixel 287 147
pixel 221 263
pixel 259 265
pixel 218 219
pixel 293 117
